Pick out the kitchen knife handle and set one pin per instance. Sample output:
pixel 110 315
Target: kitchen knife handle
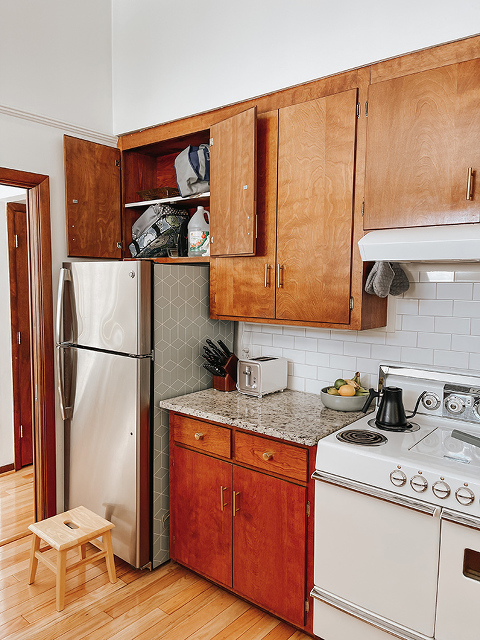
pixel 469 195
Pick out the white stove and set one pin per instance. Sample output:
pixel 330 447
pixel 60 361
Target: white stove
pixel 405 495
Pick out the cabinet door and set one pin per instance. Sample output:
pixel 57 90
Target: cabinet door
pixel 233 185
pixel 93 203
pixel 245 287
pixel 201 520
pixel 423 136
pixel 269 543
pixel 315 208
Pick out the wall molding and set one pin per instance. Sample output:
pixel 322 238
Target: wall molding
pixel 91 134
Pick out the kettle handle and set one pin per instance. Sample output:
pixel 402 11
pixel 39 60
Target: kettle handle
pixel 371 395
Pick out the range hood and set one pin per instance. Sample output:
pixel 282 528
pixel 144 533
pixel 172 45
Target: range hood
pixel 446 243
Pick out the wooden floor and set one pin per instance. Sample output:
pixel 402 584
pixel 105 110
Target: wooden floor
pixel 169 603
pixel 16 504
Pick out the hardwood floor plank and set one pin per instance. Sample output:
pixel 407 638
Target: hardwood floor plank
pixel 244 622
pixel 261 628
pixel 226 617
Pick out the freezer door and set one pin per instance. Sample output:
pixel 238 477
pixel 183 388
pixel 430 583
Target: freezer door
pixel 107 447
pixel 111 303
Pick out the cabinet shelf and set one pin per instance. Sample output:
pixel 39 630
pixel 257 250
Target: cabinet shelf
pixel 189 200
pixel 186 260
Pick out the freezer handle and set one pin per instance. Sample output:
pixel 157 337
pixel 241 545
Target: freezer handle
pixel 65 276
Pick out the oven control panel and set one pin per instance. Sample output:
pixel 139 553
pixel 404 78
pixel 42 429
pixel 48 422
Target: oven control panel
pixel 461 402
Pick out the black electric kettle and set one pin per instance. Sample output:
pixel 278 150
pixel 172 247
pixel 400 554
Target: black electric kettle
pixel 391 413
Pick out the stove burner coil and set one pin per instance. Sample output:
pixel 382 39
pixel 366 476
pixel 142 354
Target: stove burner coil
pixel 410 428
pixel 362 437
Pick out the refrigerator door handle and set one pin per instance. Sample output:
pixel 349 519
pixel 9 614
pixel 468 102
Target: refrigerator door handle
pixel 65 275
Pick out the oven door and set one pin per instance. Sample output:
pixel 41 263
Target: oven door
pixel 459 578
pixel 376 550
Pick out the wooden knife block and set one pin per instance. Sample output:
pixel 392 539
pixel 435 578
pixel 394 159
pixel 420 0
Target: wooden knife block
pixel 229 383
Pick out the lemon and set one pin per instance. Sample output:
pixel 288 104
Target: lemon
pixel 346 390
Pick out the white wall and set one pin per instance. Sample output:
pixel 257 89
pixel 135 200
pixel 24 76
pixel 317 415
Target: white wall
pixel 173 59
pixel 55 78
pixel 435 324
pixel 56 60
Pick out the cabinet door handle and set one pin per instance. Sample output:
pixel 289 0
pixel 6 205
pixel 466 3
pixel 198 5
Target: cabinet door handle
pixel 222 503
pixel 267 275
pixel 267 455
pixel 235 495
pixel 198 436
pixel 280 269
pixel 469 195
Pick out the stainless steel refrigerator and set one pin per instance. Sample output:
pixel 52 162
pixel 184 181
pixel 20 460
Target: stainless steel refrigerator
pixel 109 327
pixel 104 364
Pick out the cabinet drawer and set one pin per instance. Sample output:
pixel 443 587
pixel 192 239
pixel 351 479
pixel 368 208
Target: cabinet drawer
pixel 203 436
pixel 279 457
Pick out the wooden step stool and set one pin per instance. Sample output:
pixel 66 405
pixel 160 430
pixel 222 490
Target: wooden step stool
pixel 63 532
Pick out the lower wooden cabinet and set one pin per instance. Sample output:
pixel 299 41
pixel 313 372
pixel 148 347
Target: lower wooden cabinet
pixel 242 527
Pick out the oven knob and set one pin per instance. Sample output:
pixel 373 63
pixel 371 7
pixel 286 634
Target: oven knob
pixel 419 484
pixel 441 489
pixel 454 405
pixel 398 478
pixel 476 409
pixel 464 496
pixel 431 401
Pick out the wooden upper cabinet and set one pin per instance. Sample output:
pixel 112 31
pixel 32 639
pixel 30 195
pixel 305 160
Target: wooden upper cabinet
pixel 316 158
pixel 423 136
pixel 233 185
pixel 93 202
pixel 245 286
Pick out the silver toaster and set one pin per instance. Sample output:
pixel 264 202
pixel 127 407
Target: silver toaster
pixel 259 376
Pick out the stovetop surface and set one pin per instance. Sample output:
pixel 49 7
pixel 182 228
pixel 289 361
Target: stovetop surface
pixel 428 453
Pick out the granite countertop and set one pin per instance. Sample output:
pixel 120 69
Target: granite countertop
pixel 290 415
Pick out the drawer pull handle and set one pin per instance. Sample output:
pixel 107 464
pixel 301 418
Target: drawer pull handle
pixel 235 496
pixel 267 455
pixel 222 503
pixel 198 436
pixel 469 195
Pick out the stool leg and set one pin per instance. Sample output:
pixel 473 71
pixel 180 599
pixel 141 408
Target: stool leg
pixel 33 559
pixel 61 579
pixel 82 550
pixel 107 542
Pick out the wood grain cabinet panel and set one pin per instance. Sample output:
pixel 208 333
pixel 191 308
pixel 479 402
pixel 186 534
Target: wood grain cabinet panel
pixel 93 202
pixel 269 543
pixel 201 435
pixel 242 527
pixel 233 185
pixel 201 520
pixel 315 208
pixel 245 287
pixel 423 136
pixel 271 455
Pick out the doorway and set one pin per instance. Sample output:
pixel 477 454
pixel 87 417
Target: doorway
pixel 40 325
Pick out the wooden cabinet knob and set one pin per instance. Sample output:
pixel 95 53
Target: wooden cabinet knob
pixel 199 436
pixel 267 455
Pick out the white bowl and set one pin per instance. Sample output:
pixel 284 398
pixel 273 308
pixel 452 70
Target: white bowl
pixel 342 403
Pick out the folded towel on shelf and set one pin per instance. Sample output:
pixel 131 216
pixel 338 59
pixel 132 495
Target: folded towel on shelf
pixel 386 278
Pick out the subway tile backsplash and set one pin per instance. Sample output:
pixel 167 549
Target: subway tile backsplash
pixel 436 323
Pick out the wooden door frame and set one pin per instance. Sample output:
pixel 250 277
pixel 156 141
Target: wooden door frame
pixel 21 353
pixel 41 331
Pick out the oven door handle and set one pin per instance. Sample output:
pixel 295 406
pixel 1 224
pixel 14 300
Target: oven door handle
pixel 375 492
pixel 460 518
